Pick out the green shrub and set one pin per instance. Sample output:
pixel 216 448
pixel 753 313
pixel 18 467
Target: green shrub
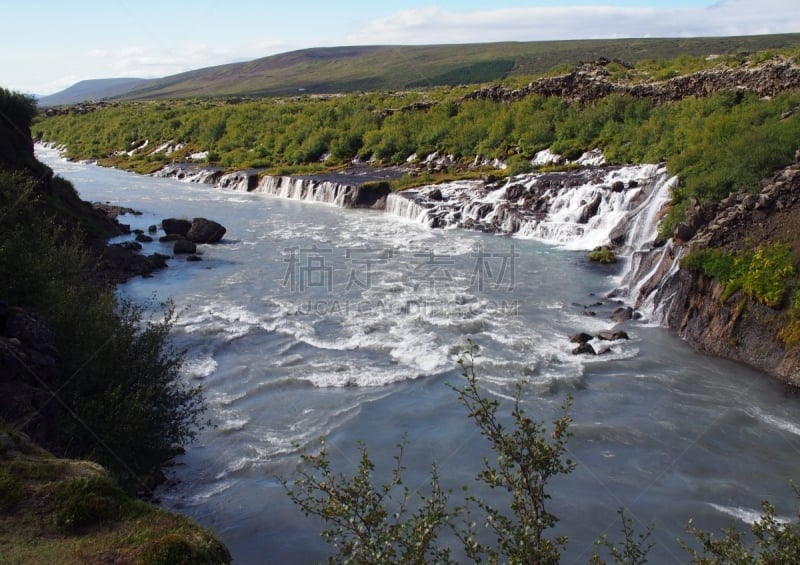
pixel 168 550
pixel 122 401
pixel 767 274
pixel 773 542
pixel 11 490
pixel 86 501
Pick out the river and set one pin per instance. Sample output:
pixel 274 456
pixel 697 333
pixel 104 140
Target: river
pixel 310 320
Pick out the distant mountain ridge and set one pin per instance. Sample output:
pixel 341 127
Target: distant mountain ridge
pixel 94 89
pixel 332 70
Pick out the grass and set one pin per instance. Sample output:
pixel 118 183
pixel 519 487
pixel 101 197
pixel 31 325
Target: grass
pixel 67 511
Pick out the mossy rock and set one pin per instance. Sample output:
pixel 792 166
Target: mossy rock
pixel 603 255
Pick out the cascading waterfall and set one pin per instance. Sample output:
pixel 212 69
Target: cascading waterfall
pixel 405 206
pixel 309 190
pixel 576 210
pixel 296 188
pixel 579 210
pixel 655 303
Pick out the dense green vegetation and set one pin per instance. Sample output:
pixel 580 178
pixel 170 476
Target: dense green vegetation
pixel 716 144
pixel 369 523
pixel 118 396
pixel 122 401
pixel 768 274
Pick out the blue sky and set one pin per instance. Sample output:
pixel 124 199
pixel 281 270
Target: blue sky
pixel 48 45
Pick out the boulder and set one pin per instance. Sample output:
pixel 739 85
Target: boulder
pixel 584 349
pixel 152 229
pixel 119 263
pixel 622 314
pixel 514 191
pixel 203 230
pixel 158 260
pixel 130 245
pixel 172 226
pixel 612 335
pixel 170 237
pixel 143 238
pixel 589 211
pixel 192 258
pixel 581 337
pixel 184 246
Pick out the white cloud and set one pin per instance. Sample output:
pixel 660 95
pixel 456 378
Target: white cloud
pixel 436 25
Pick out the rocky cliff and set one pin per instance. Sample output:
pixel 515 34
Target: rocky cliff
pixel 739 326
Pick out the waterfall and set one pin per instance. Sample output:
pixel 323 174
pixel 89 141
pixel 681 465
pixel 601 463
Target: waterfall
pixel 578 209
pixel 651 267
pixel 187 173
pixel 404 205
pixel 309 190
pixel 586 216
pixel 239 180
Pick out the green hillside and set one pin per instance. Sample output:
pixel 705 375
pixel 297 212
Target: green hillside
pixel 354 69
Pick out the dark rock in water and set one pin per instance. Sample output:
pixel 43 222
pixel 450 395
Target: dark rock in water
pixel 112 211
pixel 173 226
pixel 612 335
pixel 514 191
pixel 170 237
pixel 131 245
pixel 183 246
pixel 370 195
pixel 589 313
pixel 590 210
pixel 119 263
pixel 138 231
pixel 158 260
pixel 584 349
pixel 622 314
pixel 436 195
pixel 152 229
pixel 193 258
pixel 618 186
pixel 143 238
pixel 203 230
pixel 581 337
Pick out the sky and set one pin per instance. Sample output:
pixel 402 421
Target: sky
pixel 48 45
